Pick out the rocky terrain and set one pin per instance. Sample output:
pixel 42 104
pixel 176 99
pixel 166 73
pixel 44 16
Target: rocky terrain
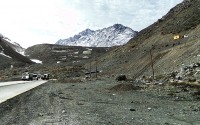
pixel 154 79
pixel 103 102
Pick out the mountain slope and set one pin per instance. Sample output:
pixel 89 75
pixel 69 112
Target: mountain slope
pixel 112 36
pixel 9 53
pixel 14 45
pixel 168 54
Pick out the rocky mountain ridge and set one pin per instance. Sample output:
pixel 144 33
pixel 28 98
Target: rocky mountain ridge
pixel 107 37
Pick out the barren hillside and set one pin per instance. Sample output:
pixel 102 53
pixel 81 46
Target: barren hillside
pixel 68 55
pixel 168 54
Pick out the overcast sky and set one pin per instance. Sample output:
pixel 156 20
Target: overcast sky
pixel 30 22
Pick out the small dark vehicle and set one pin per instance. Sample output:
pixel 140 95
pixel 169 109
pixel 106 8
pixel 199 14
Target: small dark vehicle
pixel 35 77
pixel 45 77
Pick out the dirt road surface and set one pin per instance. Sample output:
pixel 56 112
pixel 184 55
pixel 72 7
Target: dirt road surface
pixel 97 103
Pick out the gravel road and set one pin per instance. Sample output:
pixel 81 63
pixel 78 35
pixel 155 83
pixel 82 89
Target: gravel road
pixel 95 103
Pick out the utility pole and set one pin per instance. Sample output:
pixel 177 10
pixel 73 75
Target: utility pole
pixel 152 62
pixel 90 64
pixel 96 66
pixel 90 70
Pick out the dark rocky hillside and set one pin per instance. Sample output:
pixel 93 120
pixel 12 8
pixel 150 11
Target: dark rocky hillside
pixel 12 57
pixel 5 62
pixel 8 50
pixel 68 55
pixel 168 54
pixel 181 18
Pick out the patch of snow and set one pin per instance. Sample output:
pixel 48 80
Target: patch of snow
pixel 22 53
pixel 36 61
pixel 60 51
pixel 5 55
pixel 85 57
pixel 87 52
pixel 75 61
pixel 89 49
pixel 76 52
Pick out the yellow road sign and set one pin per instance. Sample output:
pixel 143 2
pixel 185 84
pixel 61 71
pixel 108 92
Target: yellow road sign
pixel 176 37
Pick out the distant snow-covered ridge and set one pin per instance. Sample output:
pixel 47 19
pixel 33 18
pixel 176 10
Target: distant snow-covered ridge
pixel 107 37
pixel 16 46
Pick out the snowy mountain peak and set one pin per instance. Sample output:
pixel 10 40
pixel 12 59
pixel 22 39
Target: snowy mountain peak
pixel 86 32
pixel 106 37
pixel 119 26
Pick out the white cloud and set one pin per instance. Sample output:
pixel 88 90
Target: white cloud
pixel 31 22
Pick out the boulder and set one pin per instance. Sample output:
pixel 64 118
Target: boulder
pixel 121 78
pixel 197 76
pixel 191 79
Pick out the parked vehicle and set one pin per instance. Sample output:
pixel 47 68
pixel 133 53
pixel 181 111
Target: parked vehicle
pixel 45 77
pixel 27 76
pixel 35 77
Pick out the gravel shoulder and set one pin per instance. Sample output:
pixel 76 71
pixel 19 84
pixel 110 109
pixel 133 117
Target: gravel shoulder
pixel 94 103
